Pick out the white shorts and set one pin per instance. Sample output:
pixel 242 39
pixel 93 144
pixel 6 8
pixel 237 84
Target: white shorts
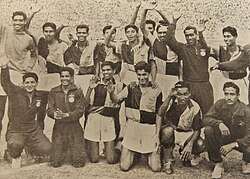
pixel 99 128
pixel 181 137
pixel 140 137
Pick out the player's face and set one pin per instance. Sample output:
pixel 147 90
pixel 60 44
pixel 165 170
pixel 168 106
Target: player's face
pixel 143 77
pixel 112 38
pixel 18 23
pixel 230 95
pixel 30 84
pixel 182 95
pixel 191 37
pixel 162 32
pixel 49 33
pixel 150 28
pixel 229 39
pixel 131 34
pixel 107 72
pixel 82 34
pixel 66 79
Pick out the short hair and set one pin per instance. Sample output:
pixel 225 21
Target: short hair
pixel 141 65
pixel 149 21
pixel 19 13
pixel 30 74
pixel 107 27
pixel 161 25
pixel 49 24
pixel 68 69
pixel 232 85
pixel 108 63
pixel 190 28
pixel 182 84
pixel 131 26
pixel 82 26
pixel 230 30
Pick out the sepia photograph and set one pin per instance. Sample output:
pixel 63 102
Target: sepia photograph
pixel 129 89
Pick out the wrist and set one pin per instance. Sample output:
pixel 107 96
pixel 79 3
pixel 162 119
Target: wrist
pixel 236 145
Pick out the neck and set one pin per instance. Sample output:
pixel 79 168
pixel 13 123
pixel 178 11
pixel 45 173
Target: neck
pixel 52 41
pixel 82 43
pixel 134 43
pixel 144 85
pixel 30 94
pixel 66 88
pixel 232 48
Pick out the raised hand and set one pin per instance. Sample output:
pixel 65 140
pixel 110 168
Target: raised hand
pixel 94 81
pixel 35 8
pixel 201 25
pixel 176 17
pixel 110 86
pixel 150 5
pixel 4 60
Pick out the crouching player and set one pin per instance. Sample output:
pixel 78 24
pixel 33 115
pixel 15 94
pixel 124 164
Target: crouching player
pixel 181 125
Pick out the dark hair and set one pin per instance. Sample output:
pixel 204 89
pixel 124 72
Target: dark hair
pixel 49 24
pixel 182 84
pixel 108 63
pixel 233 85
pixel 149 21
pixel 30 74
pixel 19 13
pixel 142 66
pixel 82 26
pixel 190 28
pixel 68 69
pixel 107 27
pixel 132 26
pixel 160 25
pixel 231 30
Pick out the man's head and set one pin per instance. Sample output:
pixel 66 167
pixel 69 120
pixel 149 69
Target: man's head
pixel 182 92
pixel 190 33
pixel 108 70
pixel 30 81
pixel 82 32
pixel 18 21
pixel 131 32
pixel 49 29
pixel 142 70
pixel 66 76
pixel 161 30
pixel 150 26
pixel 231 92
pixel 106 31
pixel 230 35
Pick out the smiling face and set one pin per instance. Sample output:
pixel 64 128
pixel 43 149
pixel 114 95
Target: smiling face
pixel 49 33
pixel 191 37
pixel 131 34
pixel 107 72
pixel 112 38
pixel 82 34
pixel 182 95
pixel 229 39
pixel 143 77
pixel 231 95
pixel 66 79
pixel 30 84
pixel 162 32
pixel 18 23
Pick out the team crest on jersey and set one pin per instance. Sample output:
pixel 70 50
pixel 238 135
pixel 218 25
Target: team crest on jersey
pixel 71 98
pixel 38 103
pixel 203 52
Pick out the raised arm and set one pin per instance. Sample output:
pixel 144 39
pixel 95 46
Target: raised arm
pixel 165 19
pixel 135 13
pixel 33 55
pixel 165 105
pixel 107 40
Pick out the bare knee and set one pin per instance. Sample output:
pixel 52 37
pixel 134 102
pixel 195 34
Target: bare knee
pixel 167 137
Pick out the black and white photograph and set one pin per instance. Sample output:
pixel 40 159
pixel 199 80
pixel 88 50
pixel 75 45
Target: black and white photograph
pixel 124 89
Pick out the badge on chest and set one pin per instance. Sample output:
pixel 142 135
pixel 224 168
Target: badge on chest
pixel 38 103
pixel 203 52
pixel 71 98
